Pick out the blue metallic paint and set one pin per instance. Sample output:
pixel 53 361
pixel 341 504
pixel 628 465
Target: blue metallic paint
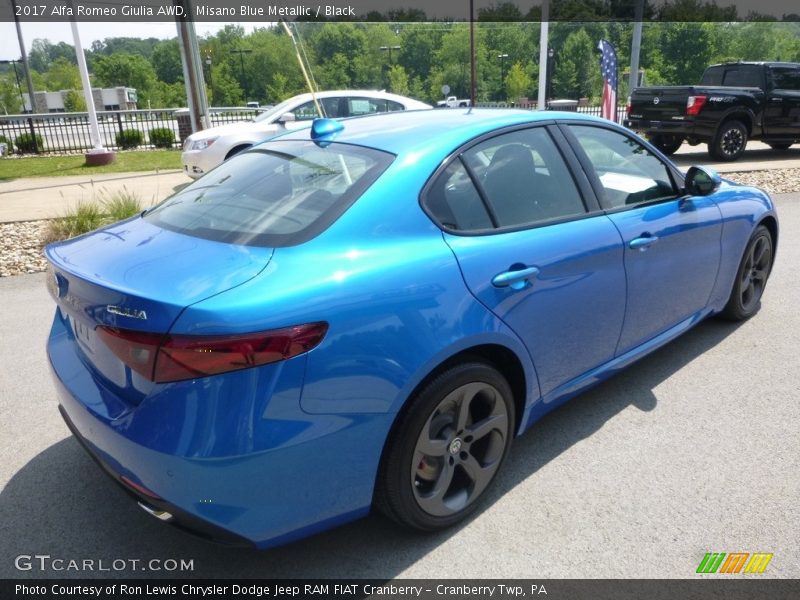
pixel 278 452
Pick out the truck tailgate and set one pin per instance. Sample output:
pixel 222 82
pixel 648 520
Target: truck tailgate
pixel 659 103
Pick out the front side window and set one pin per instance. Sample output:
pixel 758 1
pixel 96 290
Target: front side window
pixel 628 172
pixel 276 194
pixel 308 110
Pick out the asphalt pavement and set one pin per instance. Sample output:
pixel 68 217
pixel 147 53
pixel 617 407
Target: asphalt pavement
pixel 692 450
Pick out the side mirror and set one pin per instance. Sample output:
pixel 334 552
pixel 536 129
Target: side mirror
pixel 286 117
pixel 702 181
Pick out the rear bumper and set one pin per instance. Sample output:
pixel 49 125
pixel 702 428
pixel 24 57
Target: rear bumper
pixel 233 460
pixel 178 517
pixel 684 128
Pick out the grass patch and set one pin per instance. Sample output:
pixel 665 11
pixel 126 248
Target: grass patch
pixel 49 166
pixel 89 215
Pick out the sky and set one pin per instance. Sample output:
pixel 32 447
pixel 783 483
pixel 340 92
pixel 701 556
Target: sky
pixel 62 32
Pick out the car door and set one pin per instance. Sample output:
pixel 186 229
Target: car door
pixel 533 251
pixel 671 241
pixel 782 119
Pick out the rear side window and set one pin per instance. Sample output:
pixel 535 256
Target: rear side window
pixel 713 76
pixel 278 194
pixel 367 106
pixel 785 78
pixel 525 178
pixel 516 179
pixel 454 202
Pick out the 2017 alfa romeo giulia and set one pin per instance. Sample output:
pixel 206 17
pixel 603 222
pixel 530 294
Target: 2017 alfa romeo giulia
pixel 366 312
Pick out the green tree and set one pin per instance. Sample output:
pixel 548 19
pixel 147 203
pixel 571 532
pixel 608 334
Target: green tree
pixel 62 75
pixel 166 61
pixel 9 95
pixel 342 51
pixel 418 43
pixel 577 72
pixel 518 83
pixel 225 90
pixel 127 70
pixel 398 80
pixel 74 101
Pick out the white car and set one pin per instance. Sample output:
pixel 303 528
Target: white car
pixel 204 150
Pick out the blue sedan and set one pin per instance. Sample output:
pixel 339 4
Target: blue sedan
pixel 367 312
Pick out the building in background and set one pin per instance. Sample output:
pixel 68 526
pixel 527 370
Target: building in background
pixel 117 98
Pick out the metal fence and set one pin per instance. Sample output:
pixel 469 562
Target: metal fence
pixel 66 133
pixel 569 106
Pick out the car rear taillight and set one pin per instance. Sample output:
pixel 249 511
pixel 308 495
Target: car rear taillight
pixel 694 104
pixel 164 358
pixel 628 108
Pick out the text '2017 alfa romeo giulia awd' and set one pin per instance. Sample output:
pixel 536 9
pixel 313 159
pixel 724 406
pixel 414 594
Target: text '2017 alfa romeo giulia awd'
pixel 366 312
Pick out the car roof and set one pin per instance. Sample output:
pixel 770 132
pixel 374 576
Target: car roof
pixel 365 93
pixel 410 131
pixel 756 63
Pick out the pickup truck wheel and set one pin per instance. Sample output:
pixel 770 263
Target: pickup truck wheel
pixel 780 145
pixel 729 143
pixel 667 144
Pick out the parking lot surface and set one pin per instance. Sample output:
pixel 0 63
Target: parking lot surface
pixel 692 450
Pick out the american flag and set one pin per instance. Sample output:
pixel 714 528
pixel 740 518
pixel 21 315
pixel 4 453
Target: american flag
pixel 608 65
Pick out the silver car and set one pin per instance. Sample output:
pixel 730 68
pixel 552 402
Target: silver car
pixel 204 150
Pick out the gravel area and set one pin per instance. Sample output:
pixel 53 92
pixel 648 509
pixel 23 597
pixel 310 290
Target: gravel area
pixel 21 249
pixel 776 181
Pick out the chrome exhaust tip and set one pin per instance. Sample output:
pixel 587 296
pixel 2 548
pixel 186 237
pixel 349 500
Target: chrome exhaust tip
pixel 161 515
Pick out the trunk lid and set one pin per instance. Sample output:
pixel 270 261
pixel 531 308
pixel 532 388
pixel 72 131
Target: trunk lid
pixel 137 276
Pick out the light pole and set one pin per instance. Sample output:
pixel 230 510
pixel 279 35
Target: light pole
pixel 210 80
pixel 389 49
pixel 241 52
pixel 502 58
pixel 551 63
pixel 13 64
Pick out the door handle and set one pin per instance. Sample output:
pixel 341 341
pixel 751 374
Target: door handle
pixel 643 242
pixel 516 280
pixel 776 99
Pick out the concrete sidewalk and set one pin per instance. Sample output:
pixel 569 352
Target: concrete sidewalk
pixel 33 198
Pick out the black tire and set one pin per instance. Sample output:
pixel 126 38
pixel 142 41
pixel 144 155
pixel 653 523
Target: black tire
pixel 751 277
pixel 729 142
pixel 446 448
pixel 779 145
pixel 666 143
pixel 237 150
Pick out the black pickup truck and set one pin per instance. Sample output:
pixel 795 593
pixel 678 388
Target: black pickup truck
pixel 733 103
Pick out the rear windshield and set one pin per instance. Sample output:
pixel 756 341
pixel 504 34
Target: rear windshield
pixel 277 194
pixel 733 76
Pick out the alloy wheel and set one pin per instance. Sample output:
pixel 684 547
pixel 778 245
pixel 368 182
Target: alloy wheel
pixel 459 449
